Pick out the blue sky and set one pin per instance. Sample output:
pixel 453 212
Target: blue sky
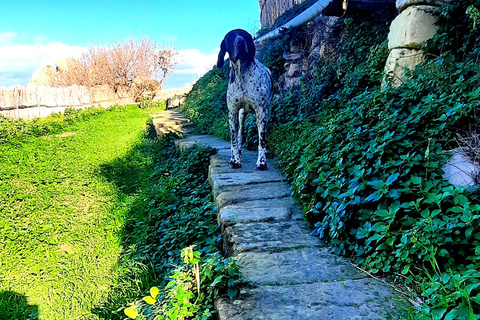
pixel 34 33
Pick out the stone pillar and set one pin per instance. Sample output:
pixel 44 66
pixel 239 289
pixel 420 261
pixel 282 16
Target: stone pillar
pixel 409 30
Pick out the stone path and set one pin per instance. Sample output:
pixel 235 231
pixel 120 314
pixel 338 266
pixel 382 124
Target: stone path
pixel 294 275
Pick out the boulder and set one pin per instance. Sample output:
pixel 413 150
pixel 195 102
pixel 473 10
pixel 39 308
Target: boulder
pixel 412 27
pixel 400 59
pixel 461 171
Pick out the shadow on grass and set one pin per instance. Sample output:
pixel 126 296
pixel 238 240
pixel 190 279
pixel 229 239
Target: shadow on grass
pixel 14 306
pixel 131 174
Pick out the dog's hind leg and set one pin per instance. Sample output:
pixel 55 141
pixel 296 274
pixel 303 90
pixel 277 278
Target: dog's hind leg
pixel 241 120
pixel 262 116
pixel 233 121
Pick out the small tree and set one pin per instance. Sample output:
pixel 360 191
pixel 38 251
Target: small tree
pixel 167 59
pixel 130 65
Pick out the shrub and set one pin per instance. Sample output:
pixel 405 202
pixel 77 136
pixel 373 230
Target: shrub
pixel 206 103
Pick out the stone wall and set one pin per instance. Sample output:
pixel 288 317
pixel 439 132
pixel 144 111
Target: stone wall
pixel 39 101
pixel 324 34
pixel 270 10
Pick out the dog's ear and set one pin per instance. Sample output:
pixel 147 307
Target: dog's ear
pixel 251 48
pixel 221 54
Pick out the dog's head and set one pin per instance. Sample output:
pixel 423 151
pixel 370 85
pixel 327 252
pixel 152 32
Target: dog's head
pixel 239 45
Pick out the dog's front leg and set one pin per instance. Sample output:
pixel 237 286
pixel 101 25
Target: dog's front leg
pixel 233 121
pixel 241 120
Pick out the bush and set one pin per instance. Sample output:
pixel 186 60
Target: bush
pixel 206 103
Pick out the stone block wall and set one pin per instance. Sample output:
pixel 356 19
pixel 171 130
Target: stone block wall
pixel 322 36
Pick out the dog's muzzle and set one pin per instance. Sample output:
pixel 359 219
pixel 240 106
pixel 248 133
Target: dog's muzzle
pixel 241 50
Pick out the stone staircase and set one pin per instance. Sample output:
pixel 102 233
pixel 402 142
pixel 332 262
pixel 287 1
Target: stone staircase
pixel 294 274
pixel 171 121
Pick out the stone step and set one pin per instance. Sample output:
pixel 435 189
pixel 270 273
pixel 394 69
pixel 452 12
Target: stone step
pixel 202 140
pixel 362 299
pixel 305 265
pixel 259 211
pixel 249 192
pixel 267 237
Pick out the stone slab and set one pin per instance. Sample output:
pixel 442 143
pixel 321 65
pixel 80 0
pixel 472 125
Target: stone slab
pixel 260 211
pixel 307 265
pixel 263 191
pixel 460 170
pixel 267 237
pixel 363 299
pixel 201 140
pixel 220 162
pixel 228 179
pixel 412 27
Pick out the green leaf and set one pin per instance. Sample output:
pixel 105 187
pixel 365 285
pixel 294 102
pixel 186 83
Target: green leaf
pixel 443 253
pixel 131 312
pixel 232 292
pixel 406 269
pixel 416 180
pixel 425 213
pixel 382 213
pixel 232 271
pixel 455 209
pixel 154 291
pixel 453 314
pixel 217 280
pixel 392 178
pixel 445 277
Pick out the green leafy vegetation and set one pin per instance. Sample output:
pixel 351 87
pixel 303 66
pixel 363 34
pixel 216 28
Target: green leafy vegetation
pixel 206 105
pixel 366 161
pixel 179 221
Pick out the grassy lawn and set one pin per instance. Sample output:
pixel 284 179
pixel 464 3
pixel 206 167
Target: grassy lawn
pixel 64 201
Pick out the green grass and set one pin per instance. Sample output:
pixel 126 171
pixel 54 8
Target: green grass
pixel 64 202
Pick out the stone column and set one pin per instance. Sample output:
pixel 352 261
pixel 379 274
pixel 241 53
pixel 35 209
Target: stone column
pixel 414 25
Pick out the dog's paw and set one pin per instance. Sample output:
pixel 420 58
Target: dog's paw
pixel 235 165
pixel 261 167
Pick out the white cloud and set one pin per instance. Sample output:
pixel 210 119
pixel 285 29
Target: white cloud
pixel 193 65
pixel 19 61
pixel 195 62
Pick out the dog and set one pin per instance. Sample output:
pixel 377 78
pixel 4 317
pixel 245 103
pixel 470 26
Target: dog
pixel 249 87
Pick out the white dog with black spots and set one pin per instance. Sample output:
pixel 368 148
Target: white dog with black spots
pixel 249 87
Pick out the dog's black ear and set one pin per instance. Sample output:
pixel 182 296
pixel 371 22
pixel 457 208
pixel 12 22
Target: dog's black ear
pixel 221 54
pixel 251 48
